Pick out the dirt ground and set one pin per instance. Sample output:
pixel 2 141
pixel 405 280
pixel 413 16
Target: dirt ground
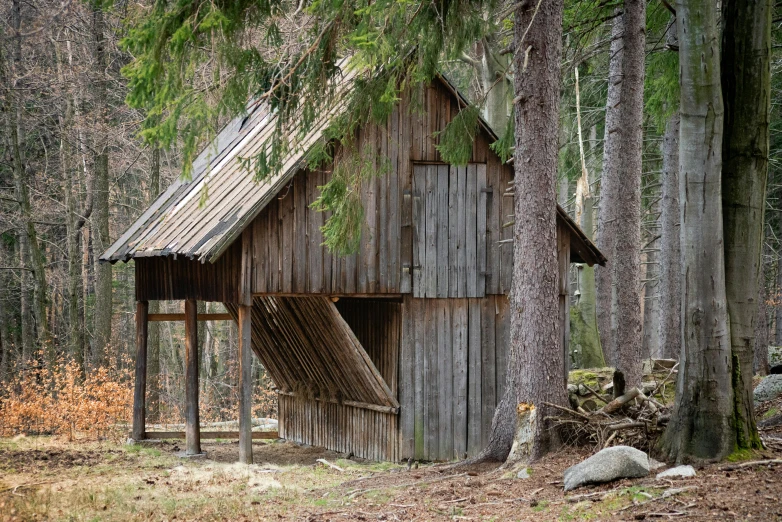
pixel 43 478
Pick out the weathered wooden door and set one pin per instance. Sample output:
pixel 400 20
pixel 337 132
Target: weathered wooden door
pixel 449 231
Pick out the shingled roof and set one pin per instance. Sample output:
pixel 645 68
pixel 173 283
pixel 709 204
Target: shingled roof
pixel 177 224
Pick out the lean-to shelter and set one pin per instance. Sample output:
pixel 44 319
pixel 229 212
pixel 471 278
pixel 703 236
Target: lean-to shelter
pixel 397 351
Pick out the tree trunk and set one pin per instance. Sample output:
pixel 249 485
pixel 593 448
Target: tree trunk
pixel 32 256
pixel 651 306
pixel 75 328
pixel 701 426
pixel 778 297
pixel 609 180
pixel 535 360
pixel 626 262
pixel 746 88
pixel 153 346
pixel 586 351
pixel 496 86
pixel 670 253
pixel 100 228
pixel 761 365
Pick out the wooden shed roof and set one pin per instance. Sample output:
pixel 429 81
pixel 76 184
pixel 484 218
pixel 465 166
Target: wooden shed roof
pixel 177 224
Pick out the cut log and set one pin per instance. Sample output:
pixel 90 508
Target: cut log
pixel 616 404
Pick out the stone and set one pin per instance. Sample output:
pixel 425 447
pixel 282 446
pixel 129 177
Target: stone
pixel 677 472
pixel 774 355
pixel 607 465
pixel 768 389
pixel 572 388
pixel 523 474
pixel 655 464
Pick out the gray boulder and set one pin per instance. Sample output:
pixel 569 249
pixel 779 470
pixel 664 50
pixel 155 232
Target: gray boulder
pixel 769 388
pixel 607 465
pixel 677 472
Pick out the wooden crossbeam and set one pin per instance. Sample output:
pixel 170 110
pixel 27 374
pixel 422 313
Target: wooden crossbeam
pixel 181 317
pixel 256 435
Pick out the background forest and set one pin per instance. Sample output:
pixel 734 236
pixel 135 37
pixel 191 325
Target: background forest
pixel 75 172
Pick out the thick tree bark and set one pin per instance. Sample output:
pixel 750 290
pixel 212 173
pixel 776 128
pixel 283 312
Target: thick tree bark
pixel 100 228
pixel 670 253
pixel 701 426
pixel 609 181
pixel 746 88
pixel 626 262
pixel 535 360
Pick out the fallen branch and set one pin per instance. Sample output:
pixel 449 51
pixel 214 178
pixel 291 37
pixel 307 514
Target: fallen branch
pixel 329 464
pixel 750 463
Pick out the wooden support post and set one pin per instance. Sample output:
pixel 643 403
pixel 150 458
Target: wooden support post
pixel 192 427
pixel 140 390
pixel 245 385
pixel 245 352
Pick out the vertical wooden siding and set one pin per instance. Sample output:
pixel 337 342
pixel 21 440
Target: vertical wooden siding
pixel 166 278
pixel 451 374
pixel 289 256
pixel 367 434
pixel 449 219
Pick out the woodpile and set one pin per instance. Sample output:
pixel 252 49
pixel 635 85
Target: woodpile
pixel 635 418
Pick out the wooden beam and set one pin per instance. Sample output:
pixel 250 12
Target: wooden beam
pixel 192 429
pixel 210 435
pixel 181 317
pixel 245 385
pixel 140 389
pixel 245 349
pixel 355 404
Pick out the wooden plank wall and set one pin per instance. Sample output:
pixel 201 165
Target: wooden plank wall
pixel 377 325
pixel 166 278
pixel 451 374
pixel 367 434
pixel 449 257
pixel 289 256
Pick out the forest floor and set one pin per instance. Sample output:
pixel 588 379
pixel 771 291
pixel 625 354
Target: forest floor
pixel 44 478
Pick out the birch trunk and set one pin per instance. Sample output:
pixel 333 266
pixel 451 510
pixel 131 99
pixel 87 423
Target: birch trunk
pixel 701 425
pixel 609 180
pixel 670 252
pixel 746 87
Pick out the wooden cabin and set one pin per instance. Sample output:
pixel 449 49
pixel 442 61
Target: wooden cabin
pixel 397 351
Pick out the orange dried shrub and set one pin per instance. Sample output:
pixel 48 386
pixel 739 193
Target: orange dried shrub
pixel 63 401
